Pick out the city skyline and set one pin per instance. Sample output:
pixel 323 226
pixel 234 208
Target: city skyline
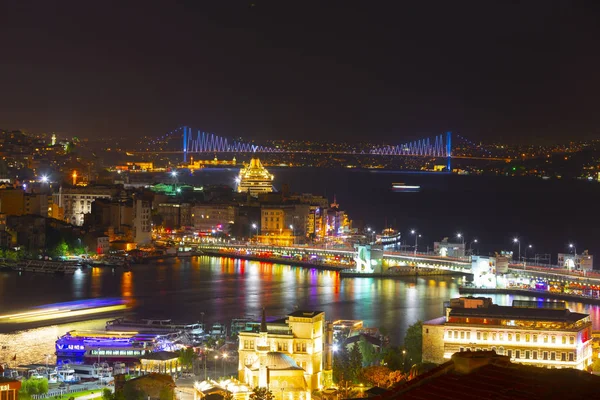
pixel 493 72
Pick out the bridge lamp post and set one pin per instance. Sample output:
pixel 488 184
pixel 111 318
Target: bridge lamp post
pixel 572 246
pixel 254 227
pixel 516 240
pixel 417 236
pixel 474 241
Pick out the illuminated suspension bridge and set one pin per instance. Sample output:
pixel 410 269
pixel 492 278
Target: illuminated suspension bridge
pixel 439 146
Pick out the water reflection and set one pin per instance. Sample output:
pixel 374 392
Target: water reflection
pixel 224 288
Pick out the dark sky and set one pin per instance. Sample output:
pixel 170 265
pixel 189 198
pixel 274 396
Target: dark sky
pixel 490 70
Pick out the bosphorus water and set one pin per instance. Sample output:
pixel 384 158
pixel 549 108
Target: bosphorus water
pixel 547 214
pixel 222 289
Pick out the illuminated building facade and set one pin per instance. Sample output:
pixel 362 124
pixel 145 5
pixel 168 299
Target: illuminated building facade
pixel 254 179
pixel 217 217
pixel 533 333
pixel 582 262
pixel 77 201
pixel 294 354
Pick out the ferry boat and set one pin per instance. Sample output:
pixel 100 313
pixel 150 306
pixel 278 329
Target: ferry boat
pixel 109 346
pixel 401 187
pixel 160 326
pixel 389 236
pixel 254 179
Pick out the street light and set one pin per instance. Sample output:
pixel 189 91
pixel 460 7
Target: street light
pixel 255 227
pixel 205 350
pixel 516 240
pixel 174 174
pixel 417 236
pixel 572 246
pixel 44 179
pixel 224 358
pixel 216 366
pixel 293 235
pixel 461 237
pixel 471 245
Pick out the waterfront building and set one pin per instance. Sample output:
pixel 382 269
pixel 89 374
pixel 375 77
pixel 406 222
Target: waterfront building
pixel 544 334
pixel 77 201
pixel 446 248
pixel 284 225
pixel 9 388
pixel 581 262
pixel 142 219
pixel 175 215
pixel 254 179
pixel 213 216
pixel 294 354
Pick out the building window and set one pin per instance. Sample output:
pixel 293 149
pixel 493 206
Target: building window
pixel 509 353
pixel 510 337
pixel 485 336
pixel 494 336
pixel 462 335
pixel 468 335
pixel 455 335
pixel 571 340
pixel 527 338
pixel 571 357
pixel 553 356
pixel 426 330
pixel 564 340
pixel 501 350
pixel 518 354
pixel 535 338
pixel 493 348
pixel 563 356
pixel 461 349
pixel 545 338
pixel 535 354
pixel 501 336
pixel 518 337
pixel 478 335
pixel 553 339
pixel 545 355
pixel 527 354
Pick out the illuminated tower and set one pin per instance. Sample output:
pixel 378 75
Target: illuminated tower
pixel 262 348
pixel 53 139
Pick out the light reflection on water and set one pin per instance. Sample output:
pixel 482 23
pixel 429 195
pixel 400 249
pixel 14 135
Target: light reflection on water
pixel 223 289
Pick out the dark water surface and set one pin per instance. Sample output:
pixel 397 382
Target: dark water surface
pixel 548 214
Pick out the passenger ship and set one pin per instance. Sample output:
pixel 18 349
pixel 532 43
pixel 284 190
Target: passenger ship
pixel 160 326
pixel 108 346
pixel 389 236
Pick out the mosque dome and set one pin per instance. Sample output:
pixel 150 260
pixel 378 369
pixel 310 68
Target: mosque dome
pixel 276 361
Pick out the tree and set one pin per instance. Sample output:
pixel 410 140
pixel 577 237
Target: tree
pixel 596 366
pixel 413 343
pixel 259 393
pixel 340 364
pixel 367 350
pixel 377 375
pixel 392 358
pixel 107 395
pixel 187 357
pixel 354 363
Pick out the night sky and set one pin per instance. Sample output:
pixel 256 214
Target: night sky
pixel 512 71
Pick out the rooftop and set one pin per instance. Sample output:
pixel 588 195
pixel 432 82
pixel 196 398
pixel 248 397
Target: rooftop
pixel 161 356
pixel 276 361
pixel 304 314
pixel 485 375
pixel 496 311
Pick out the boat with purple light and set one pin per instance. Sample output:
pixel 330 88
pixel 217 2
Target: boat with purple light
pixel 108 346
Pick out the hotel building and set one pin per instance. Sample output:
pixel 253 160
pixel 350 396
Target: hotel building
pixel 544 334
pixel 292 355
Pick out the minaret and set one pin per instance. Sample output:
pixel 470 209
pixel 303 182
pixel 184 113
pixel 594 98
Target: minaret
pixel 262 348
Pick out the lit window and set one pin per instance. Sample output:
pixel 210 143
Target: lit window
pixel 564 340
pixel 535 354
pixel 571 357
pixel 553 339
pixel 485 336
pixel 518 337
pixel 571 340
pixel 478 335
pixel 535 338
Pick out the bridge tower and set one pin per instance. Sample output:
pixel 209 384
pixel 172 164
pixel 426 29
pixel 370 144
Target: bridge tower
pixel 449 151
pixel 185 143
